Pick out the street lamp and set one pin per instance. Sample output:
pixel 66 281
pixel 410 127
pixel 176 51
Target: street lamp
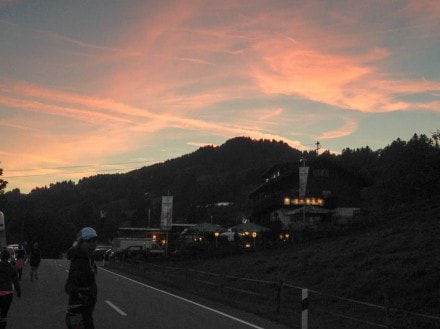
pixel 216 237
pixel 254 236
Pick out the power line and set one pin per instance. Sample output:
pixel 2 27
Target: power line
pixel 79 166
pixel 74 167
pixel 69 173
pixel 317 148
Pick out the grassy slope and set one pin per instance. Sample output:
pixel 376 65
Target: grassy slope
pixel 399 257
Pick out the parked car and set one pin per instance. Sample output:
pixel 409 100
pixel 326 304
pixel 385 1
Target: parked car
pixel 132 253
pixel 16 247
pixel 109 254
pixel 12 257
pixel 149 245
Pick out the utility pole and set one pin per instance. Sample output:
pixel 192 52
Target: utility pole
pixel 148 198
pixel 318 146
pixel 303 172
pixel 304 204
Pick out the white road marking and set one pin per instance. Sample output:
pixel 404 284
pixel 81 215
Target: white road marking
pixel 185 300
pixel 117 309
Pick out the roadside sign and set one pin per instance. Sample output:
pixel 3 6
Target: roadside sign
pixel 166 218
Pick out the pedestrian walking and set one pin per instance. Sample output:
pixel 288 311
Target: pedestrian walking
pixel 34 260
pixel 8 276
pixel 20 260
pixel 81 281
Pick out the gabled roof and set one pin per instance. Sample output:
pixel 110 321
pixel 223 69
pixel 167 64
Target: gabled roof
pixel 206 228
pixel 308 210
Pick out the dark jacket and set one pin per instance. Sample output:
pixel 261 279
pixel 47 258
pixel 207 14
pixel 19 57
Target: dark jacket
pixel 35 257
pixel 20 254
pixel 81 282
pixel 8 275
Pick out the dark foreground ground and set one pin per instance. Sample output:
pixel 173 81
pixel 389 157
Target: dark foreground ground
pixel 372 274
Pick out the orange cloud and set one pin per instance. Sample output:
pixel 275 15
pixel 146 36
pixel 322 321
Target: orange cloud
pixel 346 82
pixel 106 113
pixel 348 128
pixel 200 144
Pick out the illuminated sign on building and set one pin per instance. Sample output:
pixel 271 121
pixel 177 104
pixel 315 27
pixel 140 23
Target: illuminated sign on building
pixel 306 201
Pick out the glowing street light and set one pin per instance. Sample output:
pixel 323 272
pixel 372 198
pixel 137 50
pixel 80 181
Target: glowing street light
pixel 254 236
pixel 216 237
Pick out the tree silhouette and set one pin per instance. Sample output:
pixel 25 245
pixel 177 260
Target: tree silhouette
pixel 3 185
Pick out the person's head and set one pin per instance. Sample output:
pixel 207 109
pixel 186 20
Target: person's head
pixel 4 255
pixel 87 239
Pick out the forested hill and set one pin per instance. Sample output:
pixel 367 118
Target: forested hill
pixel 401 173
pixel 215 174
pixel 210 175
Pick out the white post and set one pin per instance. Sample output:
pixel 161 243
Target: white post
pixel 305 312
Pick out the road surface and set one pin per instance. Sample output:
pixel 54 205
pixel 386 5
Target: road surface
pixel 122 303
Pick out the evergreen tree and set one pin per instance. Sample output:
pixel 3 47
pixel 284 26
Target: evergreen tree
pixel 3 185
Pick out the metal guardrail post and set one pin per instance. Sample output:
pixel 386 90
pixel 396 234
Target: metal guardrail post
pixel 305 309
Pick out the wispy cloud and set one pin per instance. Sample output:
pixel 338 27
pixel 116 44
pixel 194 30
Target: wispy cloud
pixel 102 112
pixel 348 128
pixel 194 60
pixel 200 144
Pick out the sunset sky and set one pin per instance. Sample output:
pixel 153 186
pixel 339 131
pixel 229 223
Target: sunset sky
pixel 106 86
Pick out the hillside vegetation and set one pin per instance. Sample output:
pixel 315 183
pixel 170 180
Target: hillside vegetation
pixel 352 272
pixel 396 256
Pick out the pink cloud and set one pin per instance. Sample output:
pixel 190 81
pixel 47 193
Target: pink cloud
pixel 295 56
pixel 200 144
pixel 108 115
pixel 347 82
pixel 348 128
pixel 60 111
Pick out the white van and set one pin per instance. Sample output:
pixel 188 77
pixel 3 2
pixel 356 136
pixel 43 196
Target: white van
pixel 148 245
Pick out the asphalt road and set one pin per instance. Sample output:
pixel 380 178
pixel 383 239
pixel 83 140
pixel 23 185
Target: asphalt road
pixel 122 303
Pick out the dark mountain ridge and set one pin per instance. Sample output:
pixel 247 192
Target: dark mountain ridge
pixel 227 173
